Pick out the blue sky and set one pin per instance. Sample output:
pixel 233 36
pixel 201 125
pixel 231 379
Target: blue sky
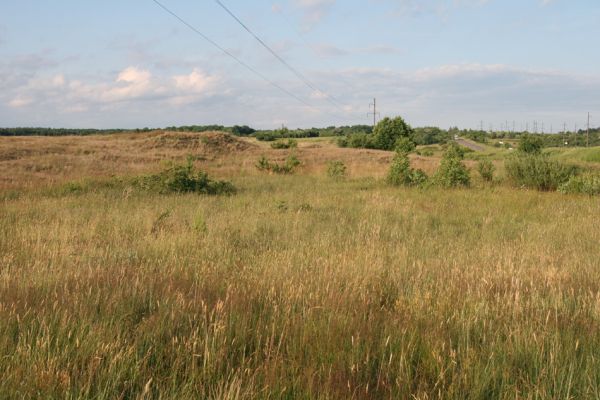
pixel 73 63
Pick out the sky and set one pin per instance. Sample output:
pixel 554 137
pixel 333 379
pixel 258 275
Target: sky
pixel 465 63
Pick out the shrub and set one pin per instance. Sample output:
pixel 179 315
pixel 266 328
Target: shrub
pixel 388 131
pixel 176 178
pixel 401 174
pixel 586 184
pixel 336 169
pixel 405 145
pixel 290 165
pixel 425 152
pixel 538 172
pixel 531 144
pixel 452 172
pixel 486 170
pixel 281 144
pixel 244 130
pixel 356 140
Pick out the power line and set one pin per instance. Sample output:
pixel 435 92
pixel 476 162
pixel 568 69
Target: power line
pixel 298 74
pixel 242 63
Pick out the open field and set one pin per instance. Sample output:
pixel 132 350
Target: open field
pixel 295 287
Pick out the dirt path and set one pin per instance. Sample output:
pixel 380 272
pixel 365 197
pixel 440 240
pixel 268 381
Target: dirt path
pixel 470 145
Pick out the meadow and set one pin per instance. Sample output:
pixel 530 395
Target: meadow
pixel 296 287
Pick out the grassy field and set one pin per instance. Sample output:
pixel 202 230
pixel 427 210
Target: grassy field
pixel 297 287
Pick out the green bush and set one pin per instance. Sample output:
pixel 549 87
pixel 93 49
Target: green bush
pixel 452 172
pixel 176 178
pixel 290 165
pixel 585 184
pixel 401 174
pixel 388 131
pixel 538 172
pixel 336 169
pixel 486 170
pixel 356 141
pixel 282 144
pixel 530 144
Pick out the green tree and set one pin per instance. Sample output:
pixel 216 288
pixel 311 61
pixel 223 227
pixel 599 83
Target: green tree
pixel 388 131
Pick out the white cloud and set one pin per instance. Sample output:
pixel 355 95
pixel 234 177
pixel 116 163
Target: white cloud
pixel 197 81
pixel 131 85
pixel 458 94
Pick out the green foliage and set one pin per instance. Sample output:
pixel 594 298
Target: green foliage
pixel 430 135
pixel 401 174
pixel 452 172
pixel 244 130
pixel 281 144
pixel 405 145
pixel 453 150
pixel 388 131
pixel 530 144
pixel 176 178
pixel 336 170
pixel 538 172
pixel 585 184
pixel 486 170
pixel 289 167
pixel 356 141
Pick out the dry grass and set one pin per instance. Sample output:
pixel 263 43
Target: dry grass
pixel 296 287
pixel 35 161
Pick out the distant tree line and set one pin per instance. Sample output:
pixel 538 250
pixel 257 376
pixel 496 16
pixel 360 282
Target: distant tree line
pixel 349 136
pixel 330 131
pixel 56 132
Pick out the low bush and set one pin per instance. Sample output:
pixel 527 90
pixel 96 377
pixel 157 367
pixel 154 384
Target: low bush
pixel 486 170
pixel 401 174
pixel 177 178
pixel 336 169
pixel 290 165
pixel 585 184
pixel 425 152
pixel 539 172
pixel 282 144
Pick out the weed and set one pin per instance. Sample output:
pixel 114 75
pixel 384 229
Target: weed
pixel 585 184
pixel 486 170
pixel 336 170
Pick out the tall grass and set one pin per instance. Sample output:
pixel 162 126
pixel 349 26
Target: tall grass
pixel 354 290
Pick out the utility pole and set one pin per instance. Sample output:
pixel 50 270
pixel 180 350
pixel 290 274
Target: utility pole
pixel 375 113
pixel 481 126
pixel 588 131
pixel 564 127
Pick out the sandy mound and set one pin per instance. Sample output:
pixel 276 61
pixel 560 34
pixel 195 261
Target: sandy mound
pixel 206 142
